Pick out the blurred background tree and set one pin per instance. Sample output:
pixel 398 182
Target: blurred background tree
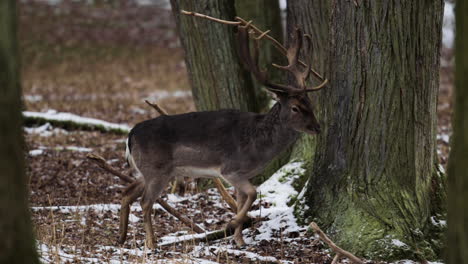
pixel 17 243
pixel 457 238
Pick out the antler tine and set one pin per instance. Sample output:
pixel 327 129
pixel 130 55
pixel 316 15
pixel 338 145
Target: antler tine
pixel 309 62
pixel 293 61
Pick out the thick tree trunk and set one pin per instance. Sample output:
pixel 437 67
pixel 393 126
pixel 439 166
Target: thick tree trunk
pixel 458 166
pixel 217 76
pixel 17 243
pixel 374 174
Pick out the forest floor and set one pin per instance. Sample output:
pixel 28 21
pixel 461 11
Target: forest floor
pixel 102 61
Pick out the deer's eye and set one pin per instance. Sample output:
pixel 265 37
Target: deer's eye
pixel 295 109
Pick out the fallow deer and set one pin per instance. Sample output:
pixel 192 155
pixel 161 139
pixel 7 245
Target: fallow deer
pixel 230 144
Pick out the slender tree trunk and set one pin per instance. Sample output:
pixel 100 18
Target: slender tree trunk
pixel 217 76
pixel 17 243
pixel 374 177
pixel 458 166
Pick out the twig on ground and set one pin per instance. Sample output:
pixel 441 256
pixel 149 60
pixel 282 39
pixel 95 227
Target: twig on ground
pixel 101 162
pixel 339 251
pixel 210 236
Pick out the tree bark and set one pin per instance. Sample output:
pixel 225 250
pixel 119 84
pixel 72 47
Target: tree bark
pixel 266 15
pixel 374 175
pixel 17 243
pixel 217 76
pixel 458 167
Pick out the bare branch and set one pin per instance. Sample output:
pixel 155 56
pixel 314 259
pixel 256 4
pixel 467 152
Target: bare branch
pixel 188 13
pixel 101 162
pixel 335 248
pixel 182 218
pixel 157 108
pixel 242 22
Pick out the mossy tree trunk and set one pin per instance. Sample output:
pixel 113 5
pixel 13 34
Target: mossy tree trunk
pixel 374 177
pixel 458 166
pixel 17 243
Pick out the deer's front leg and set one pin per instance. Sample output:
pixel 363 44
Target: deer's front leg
pixel 241 198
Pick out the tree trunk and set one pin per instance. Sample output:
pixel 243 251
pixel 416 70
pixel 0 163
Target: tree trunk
pixel 17 243
pixel 458 167
pixel 217 76
pixel 266 15
pixel 374 175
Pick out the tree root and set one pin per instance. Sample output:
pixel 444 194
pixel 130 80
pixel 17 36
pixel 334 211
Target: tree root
pixel 339 251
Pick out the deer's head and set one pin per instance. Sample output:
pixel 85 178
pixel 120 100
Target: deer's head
pixel 296 107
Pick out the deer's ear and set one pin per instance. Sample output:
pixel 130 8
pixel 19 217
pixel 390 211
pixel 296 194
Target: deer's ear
pixel 277 95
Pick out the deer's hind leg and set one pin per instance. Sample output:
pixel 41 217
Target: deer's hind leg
pixel 130 195
pixel 152 192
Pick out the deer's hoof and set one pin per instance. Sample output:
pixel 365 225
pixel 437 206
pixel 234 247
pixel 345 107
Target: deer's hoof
pixel 239 242
pixel 234 223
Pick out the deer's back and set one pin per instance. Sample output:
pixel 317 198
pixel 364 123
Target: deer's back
pixel 201 139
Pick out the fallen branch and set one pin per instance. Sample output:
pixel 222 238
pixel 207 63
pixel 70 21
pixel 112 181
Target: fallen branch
pixel 182 218
pixel 208 236
pixel 72 121
pixel 101 162
pixel 339 251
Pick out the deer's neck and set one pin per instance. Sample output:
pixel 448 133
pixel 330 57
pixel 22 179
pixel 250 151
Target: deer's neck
pixel 271 135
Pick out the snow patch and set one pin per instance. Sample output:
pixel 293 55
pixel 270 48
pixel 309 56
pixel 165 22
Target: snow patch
pixel 161 95
pixel 398 243
pixel 33 98
pixel 278 191
pixel 64 117
pixel 36 152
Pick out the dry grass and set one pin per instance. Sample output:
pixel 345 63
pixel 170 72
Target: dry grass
pixel 95 75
